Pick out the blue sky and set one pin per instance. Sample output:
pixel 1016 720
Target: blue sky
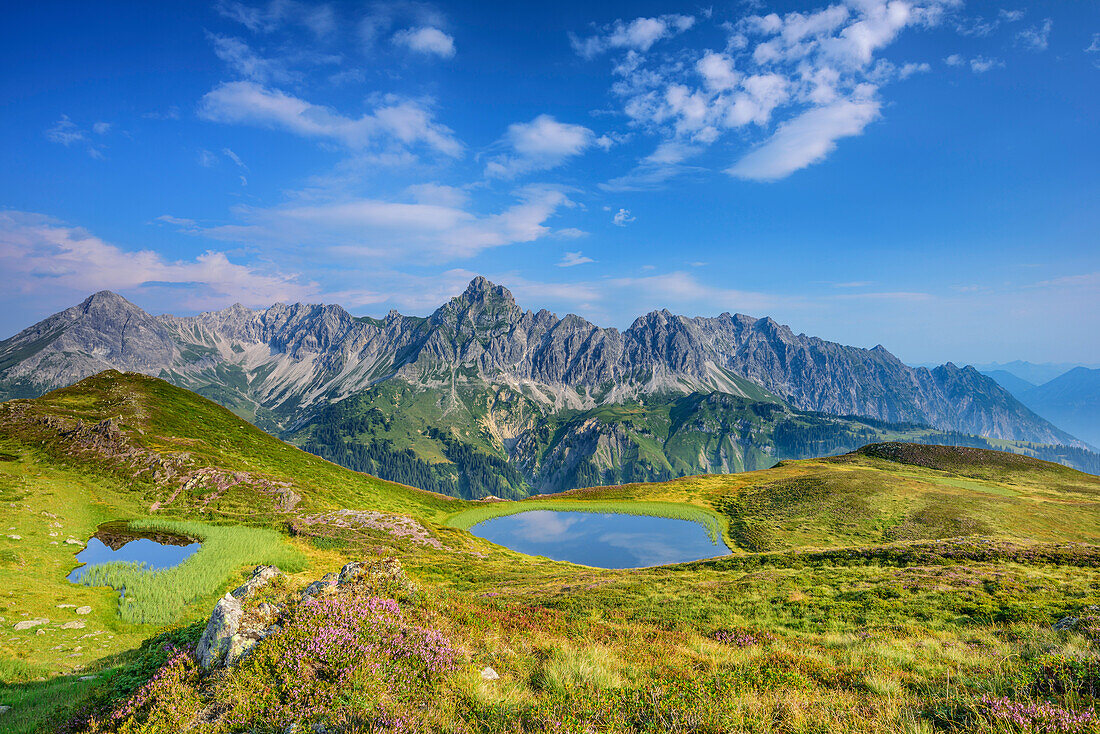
pixel 918 174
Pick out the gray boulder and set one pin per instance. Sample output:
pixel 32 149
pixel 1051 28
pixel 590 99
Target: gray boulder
pixel 321 587
pixel 220 630
pixel 260 576
pixel 224 641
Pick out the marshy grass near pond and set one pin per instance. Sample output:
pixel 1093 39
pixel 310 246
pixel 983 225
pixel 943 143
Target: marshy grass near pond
pixel 160 596
pixel 714 525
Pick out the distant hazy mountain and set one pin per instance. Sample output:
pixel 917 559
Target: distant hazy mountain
pixel 1071 401
pixel 483 375
pixel 1010 382
pixel 1035 373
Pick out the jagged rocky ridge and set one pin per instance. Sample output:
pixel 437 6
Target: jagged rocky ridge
pixel 273 365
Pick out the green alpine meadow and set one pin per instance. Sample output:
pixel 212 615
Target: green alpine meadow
pixel 897 588
pixel 653 367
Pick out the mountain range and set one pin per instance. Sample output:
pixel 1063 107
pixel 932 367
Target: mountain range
pixel 1071 400
pixel 483 396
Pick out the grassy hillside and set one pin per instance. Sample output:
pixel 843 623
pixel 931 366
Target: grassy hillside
pixel 898 588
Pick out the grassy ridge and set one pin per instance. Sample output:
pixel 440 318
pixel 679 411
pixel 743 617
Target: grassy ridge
pixel 711 522
pixel 158 597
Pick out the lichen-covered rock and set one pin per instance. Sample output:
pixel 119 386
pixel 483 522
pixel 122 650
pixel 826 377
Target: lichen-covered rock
pixel 225 639
pixel 352 571
pixel 260 576
pixel 216 638
pixel 321 587
pixel 241 643
pixel 27 624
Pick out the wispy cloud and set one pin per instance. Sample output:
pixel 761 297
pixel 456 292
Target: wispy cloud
pixel 428 41
pixel 571 259
pixel 978 64
pixel 1036 38
pixel 44 256
pixel 637 35
pixel 805 140
pixel 425 230
pixel 68 133
pixel 275 14
pixel 397 122
pixel 539 145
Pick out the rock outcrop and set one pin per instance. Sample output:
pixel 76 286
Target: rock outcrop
pixel 238 622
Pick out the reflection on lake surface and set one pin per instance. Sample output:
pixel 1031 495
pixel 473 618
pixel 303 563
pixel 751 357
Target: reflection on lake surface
pixel 603 540
pixel 115 542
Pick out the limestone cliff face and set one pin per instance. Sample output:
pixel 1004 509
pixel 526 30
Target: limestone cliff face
pixel 277 363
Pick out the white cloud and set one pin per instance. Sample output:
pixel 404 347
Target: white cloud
pixel 319 19
pixel 639 34
pixel 207 159
pixel 622 218
pixel 539 145
pixel 774 70
pixel 717 71
pixel 433 193
pixel 426 41
pixel 981 64
pixel 571 259
pixel 805 140
pixel 68 133
pixel 234 157
pixel 1036 38
pixel 44 256
pixel 1094 47
pixel 569 233
pixel 399 122
pixel 244 62
pixel 428 229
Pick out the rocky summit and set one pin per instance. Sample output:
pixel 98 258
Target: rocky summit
pixel 275 365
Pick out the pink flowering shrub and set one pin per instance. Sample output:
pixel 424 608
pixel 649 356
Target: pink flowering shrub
pixel 1044 716
pixel 341 659
pixel 741 638
pixel 166 702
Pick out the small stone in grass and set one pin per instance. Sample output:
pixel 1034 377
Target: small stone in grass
pixel 489 674
pixel 73 626
pixel 27 624
pixel 16 537
pixel 83 610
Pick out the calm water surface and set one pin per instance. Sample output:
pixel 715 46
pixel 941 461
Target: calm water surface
pixel 161 551
pixel 601 539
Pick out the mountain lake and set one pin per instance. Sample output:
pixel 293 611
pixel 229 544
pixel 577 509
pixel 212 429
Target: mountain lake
pixel 117 542
pixel 602 540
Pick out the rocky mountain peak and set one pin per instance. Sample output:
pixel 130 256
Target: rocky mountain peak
pixel 484 291
pixel 106 301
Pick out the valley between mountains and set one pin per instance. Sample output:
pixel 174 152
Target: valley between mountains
pixel 485 398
